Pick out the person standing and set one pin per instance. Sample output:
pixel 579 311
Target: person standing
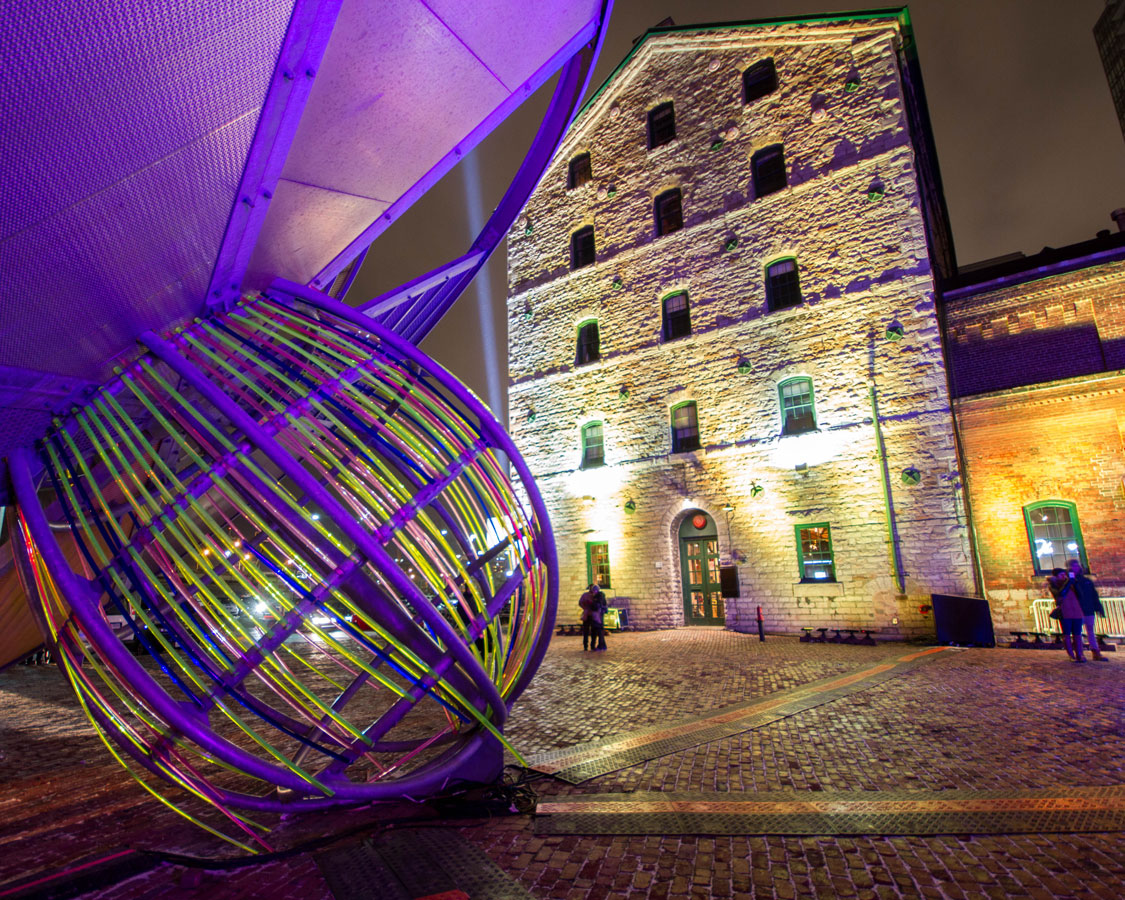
pixel 597 615
pixel 1063 590
pixel 586 603
pixel 1091 605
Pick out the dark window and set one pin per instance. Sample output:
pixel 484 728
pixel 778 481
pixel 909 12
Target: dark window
pixel 768 169
pixel 783 286
pixel 677 316
pixel 758 81
pixel 579 172
pixel 669 212
pixel 593 446
pixel 597 563
pixel 797 412
pixel 1054 535
pixel 661 126
pixel 814 550
pixel 685 428
pixel 582 247
pixel 589 348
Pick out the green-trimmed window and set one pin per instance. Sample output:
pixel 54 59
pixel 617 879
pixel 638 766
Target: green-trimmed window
pixel 798 412
pixel 589 344
pixel 1054 535
pixel 783 284
pixel 814 552
pixel 685 428
pixel 677 316
pixel 597 563
pixel 593 445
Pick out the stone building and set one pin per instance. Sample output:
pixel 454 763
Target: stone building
pixel 725 350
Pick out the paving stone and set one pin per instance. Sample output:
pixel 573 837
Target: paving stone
pixel 978 720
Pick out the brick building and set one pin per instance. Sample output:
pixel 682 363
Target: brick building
pixel 1036 348
pixel 724 333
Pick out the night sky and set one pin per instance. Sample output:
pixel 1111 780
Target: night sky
pixel 1030 150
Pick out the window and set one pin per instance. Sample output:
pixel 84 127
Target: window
pixel 661 126
pixel 767 167
pixel 797 413
pixel 783 285
pixel 579 172
pixel 758 81
pixel 1054 535
pixel 814 552
pixel 677 316
pixel 582 247
pixel 597 563
pixel 669 212
pixel 589 349
pixel 685 428
pixel 593 446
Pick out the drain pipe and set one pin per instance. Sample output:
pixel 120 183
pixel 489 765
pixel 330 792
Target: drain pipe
pixel 888 502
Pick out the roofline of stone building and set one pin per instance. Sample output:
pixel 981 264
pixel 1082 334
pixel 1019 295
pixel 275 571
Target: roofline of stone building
pixel 901 13
pixel 1047 263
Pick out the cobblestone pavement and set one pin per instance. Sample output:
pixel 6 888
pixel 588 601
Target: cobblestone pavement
pixel 972 720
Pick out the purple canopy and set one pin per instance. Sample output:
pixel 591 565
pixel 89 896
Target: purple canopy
pixel 165 156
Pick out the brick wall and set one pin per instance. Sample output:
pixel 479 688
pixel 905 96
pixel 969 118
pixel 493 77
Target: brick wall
pixel 1059 326
pixel 1060 441
pixel 864 265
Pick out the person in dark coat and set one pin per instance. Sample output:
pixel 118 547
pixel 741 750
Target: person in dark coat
pixel 586 603
pixel 1091 605
pixel 597 616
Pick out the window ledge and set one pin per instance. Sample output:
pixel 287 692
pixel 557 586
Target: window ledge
pixel 788 310
pixel 675 142
pixel 818 589
pixel 797 434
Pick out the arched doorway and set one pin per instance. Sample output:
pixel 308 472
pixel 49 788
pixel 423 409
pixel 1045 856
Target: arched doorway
pixel 699 569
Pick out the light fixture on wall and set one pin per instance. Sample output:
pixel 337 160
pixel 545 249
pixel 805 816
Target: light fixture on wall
pixel 756 490
pixel 894 332
pixel 743 366
pixel 910 475
pixel 727 508
pixel 630 507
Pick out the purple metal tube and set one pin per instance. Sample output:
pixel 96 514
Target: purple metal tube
pixel 359 536
pixel 545 546
pixel 85 604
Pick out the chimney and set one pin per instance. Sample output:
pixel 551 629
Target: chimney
pixel 1118 216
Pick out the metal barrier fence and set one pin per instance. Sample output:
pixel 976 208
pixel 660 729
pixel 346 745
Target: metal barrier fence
pixel 1112 624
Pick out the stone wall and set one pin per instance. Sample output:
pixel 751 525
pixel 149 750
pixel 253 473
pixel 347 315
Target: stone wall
pixel 852 217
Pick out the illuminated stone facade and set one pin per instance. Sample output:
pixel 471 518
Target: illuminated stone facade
pixel 860 213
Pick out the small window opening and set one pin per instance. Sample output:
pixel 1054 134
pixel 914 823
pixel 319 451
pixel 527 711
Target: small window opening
pixel 579 172
pixel 677 316
pixel 661 126
pixel 582 247
pixel 669 212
